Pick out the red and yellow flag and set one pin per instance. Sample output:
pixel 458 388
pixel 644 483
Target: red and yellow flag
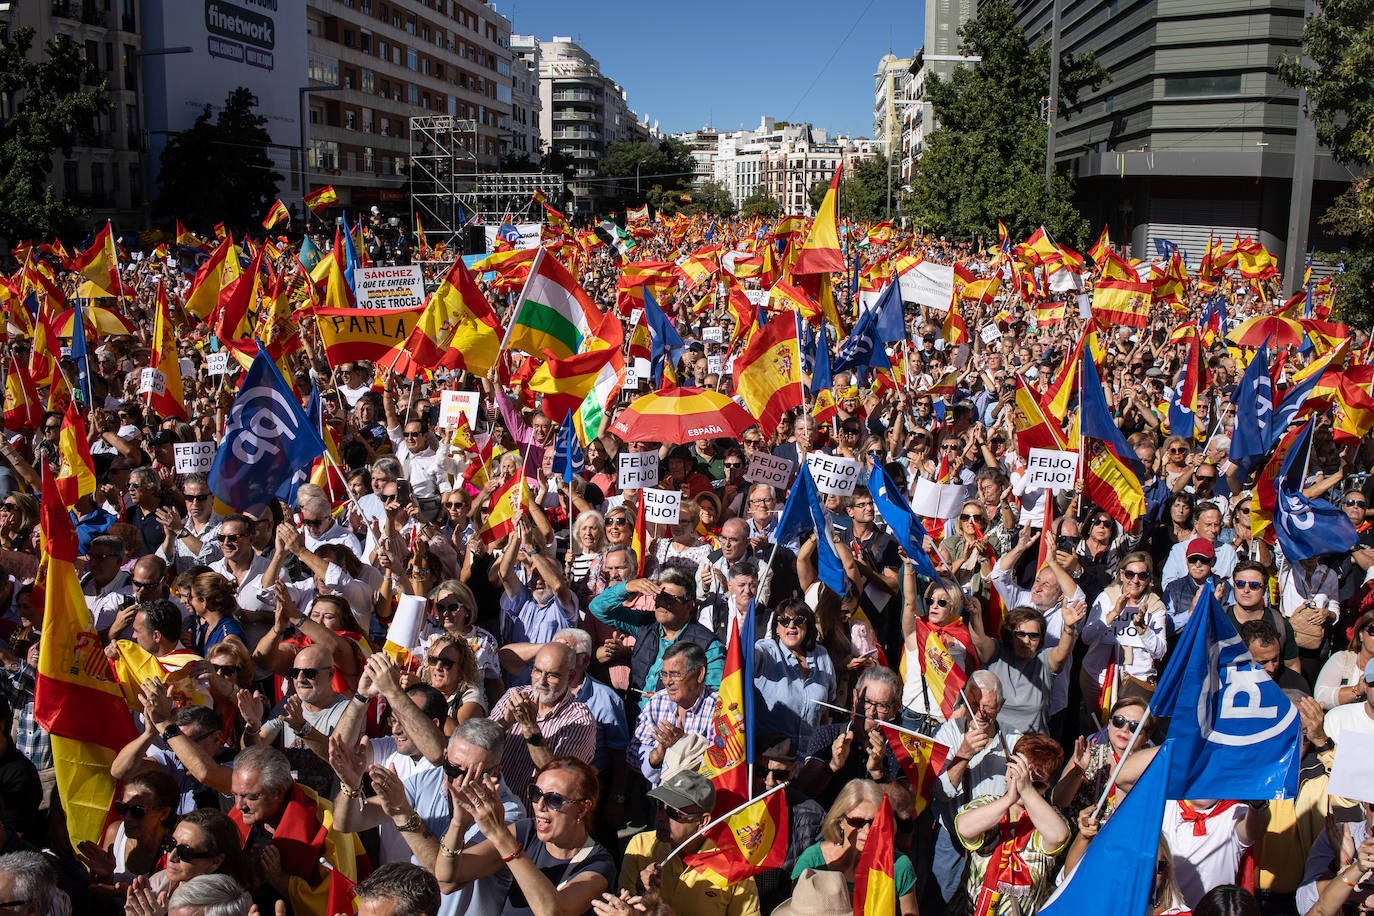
pixel 276 215
pixel 172 401
pixel 100 263
pixel 76 473
pixel 1033 428
pixel 943 675
pixel 75 697
pixel 505 507
pixel 320 198
pixel 821 251
pixel 23 410
pixel 922 760
pixel 349 334
pixel 458 329
pixel 639 540
pixel 217 272
pixel 565 383
pixel 875 882
pixel 768 373
pixel 1121 302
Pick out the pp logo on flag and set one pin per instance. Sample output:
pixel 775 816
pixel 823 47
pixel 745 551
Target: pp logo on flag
pixel 1235 709
pixel 263 427
pixel 1297 512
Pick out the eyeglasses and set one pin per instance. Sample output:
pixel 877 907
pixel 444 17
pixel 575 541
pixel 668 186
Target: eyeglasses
pixel 675 814
pixel 454 771
pixel 1134 575
pixel 1369 630
pixel 939 602
pixel 307 673
pixel 416 434
pixel 226 670
pixel 616 522
pixel 1247 583
pixel 1177 450
pixel 313 523
pixel 1354 502
pixel 185 853
pixel 734 464
pixel 766 501
pixel 53 429
pixel 438 661
pixel 391 499
pixel 1129 725
pixel 1200 478
pixel 101 556
pixel 950 448
pixel 197 497
pixel 135 485
pixel 554 801
pixel 798 621
pixel 858 823
pixel 227 538
pixel 134 583
pixel 849 432
pixel 137 812
pixel 1027 634
pixel 1244 510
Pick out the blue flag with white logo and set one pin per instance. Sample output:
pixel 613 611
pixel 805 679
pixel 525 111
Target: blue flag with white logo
pixel 1254 400
pixel 803 513
pixel 266 438
pixel 1117 858
pixel 891 319
pixel 890 506
pixel 863 347
pixel 1306 527
pixel 568 457
pixel 664 340
pixel 81 355
pixel 821 376
pixel 1235 733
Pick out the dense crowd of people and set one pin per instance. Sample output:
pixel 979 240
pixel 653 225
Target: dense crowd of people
pixel 536 749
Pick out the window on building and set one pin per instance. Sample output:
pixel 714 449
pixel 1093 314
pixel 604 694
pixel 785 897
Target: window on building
pixel 1210 84
pixel 98 182
pixel 367 120
pixel 369 159
pixel 367 81
pixel 131 126
pixel 350 120
pixel 365 41
pixel 413 94
pixel 412 59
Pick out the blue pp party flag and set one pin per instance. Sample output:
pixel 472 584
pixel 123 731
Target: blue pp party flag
pixel 1122 855
pixel 266 438
pixel 1235 733
pixel 890 506
pixel 568 457
pixel 1306 527
pixel 80 354
pixel 891 318
pixel 863 347
pixel 803 513
pixel 1254 400
pixel 821 376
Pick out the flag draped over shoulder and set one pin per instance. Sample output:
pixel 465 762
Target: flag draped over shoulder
pixel 554 312
pixel 943 675
pixel 875 880
pixel 922 760
pixel 76 699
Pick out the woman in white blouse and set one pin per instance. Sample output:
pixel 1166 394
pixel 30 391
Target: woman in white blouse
pixel 1342 677
pixel 1125 626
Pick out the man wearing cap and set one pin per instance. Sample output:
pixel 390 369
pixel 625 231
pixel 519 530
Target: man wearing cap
pixel 683 805
pixel 1354 717
pixel 1183 594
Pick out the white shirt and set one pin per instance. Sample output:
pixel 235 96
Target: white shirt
pixel 1204 862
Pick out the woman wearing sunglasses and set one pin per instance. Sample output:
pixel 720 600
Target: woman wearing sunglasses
pixel 1086 773
pixel 132 845
pixel 968 551
pixel 1125 633
pixel 451 669
pixel 844 833
pixel 792 673
pixel 455 613
pixel 205 842
pixel 944 606
pixel 555 865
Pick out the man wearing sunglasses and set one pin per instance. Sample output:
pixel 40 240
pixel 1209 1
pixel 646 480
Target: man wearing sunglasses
pixel 1206 527
pixel 682 806
pixel 188 541
pixel 1248 602
pixel 304 720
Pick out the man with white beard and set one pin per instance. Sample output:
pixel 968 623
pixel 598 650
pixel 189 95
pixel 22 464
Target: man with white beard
pixel 543 720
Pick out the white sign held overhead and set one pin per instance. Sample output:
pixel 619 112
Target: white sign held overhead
pixel 937 500
pixel 662 507
pixel 217 363
pixel 774 470
pixel 836 476
pixel 638 470
pixel 991 333
pixel 193 457
pixel 713 334
pixel 1051 469
pixel 928 284
pixel 453 404
pixel 152 381
pixel 390 287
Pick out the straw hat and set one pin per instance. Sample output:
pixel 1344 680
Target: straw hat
pixel 818 893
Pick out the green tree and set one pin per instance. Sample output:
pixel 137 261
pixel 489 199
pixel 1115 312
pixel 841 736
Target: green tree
pixel 713 199
pixel 863 191
pixel 44 108
pixel 1338 77
pixel 218 170
pixel 640 165
pixel 985 160
pixel 760 204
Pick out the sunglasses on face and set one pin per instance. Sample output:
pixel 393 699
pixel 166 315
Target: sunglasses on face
pixel 1206 561
pixel 734 464
pixel 454 771
pixel 134 583
pixel 858 823
pixel 230 538
pixel 1368 630
pixel 1247 583
pixel 124 809
pixel 792 621
pixel 939 602
pixel 197 497
pixel 1027 634
pixel 229 671
pixel 616 522
pixel 1129 725
pixel 554 801
pixel 307 673
pixel 681 817
pixel 971 517
pixel 414 435
pixel 184 853
pixel 1355 503
pixel 448 607
pixel 1133 575
pixel 443 664
pixel 1102 522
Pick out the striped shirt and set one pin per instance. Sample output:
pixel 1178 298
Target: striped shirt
pixel 569 730
pixel 659 708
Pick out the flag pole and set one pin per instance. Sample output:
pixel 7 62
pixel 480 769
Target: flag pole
pixel 1125 755
pixel 716 821
pixel 886 724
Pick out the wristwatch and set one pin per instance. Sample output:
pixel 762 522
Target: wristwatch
pixel 535 740
pixel 170 732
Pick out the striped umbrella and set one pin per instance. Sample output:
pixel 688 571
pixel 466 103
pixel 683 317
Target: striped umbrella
pixel 682 415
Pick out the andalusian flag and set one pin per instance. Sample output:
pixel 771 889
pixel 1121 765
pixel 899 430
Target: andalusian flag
pixel 943 676
pixel 768 372
pixel 554 312
pixel 875 883
pixel 75 697
pixel 276 215
pixel 320 198
pixel 100 263
pixel 821 251
pixel 566 383
pixel 172 401
pixel 922 760
pixel 457 329
pixel 76 474
pixel 505 507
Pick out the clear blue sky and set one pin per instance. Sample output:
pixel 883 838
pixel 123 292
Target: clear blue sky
pixel 687 64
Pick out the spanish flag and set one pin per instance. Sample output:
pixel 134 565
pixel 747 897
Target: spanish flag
pixel 875 883
pixel 172 401
pixel 954 330
pixel 221 269
pixel 1354 411
pixel 1121 303
pixel 1112 475
pixel 922 760
pixel 821 251
pixel 276 215
pixel 1101 247
pixel 505 507
pixel 100 264
pixel 942 675
pixel 76 474
pixel 349 334
pixel 23 410
pixel 75 697
pixel 768 372
pixel 457 329
pixel 320 198
pixel 1033 429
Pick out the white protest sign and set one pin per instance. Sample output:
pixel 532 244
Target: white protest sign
pixel 187 367
pixel 713 334
pixel 193 457
pixel 937 500
pixel 389 287
pixel 837 476
pixel 928 284
pixel 152 381
pixel 774 470
pixel 991 333
pixel 217 363
pixel 661 507
pixel 453 404
pixel 1085 306
pixel 1350 771
pixel 715 363
pixel 638 470
pixel 404 630
pixel 1050 469
pixel 757 297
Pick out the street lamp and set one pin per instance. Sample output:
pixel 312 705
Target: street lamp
pixel 303 91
